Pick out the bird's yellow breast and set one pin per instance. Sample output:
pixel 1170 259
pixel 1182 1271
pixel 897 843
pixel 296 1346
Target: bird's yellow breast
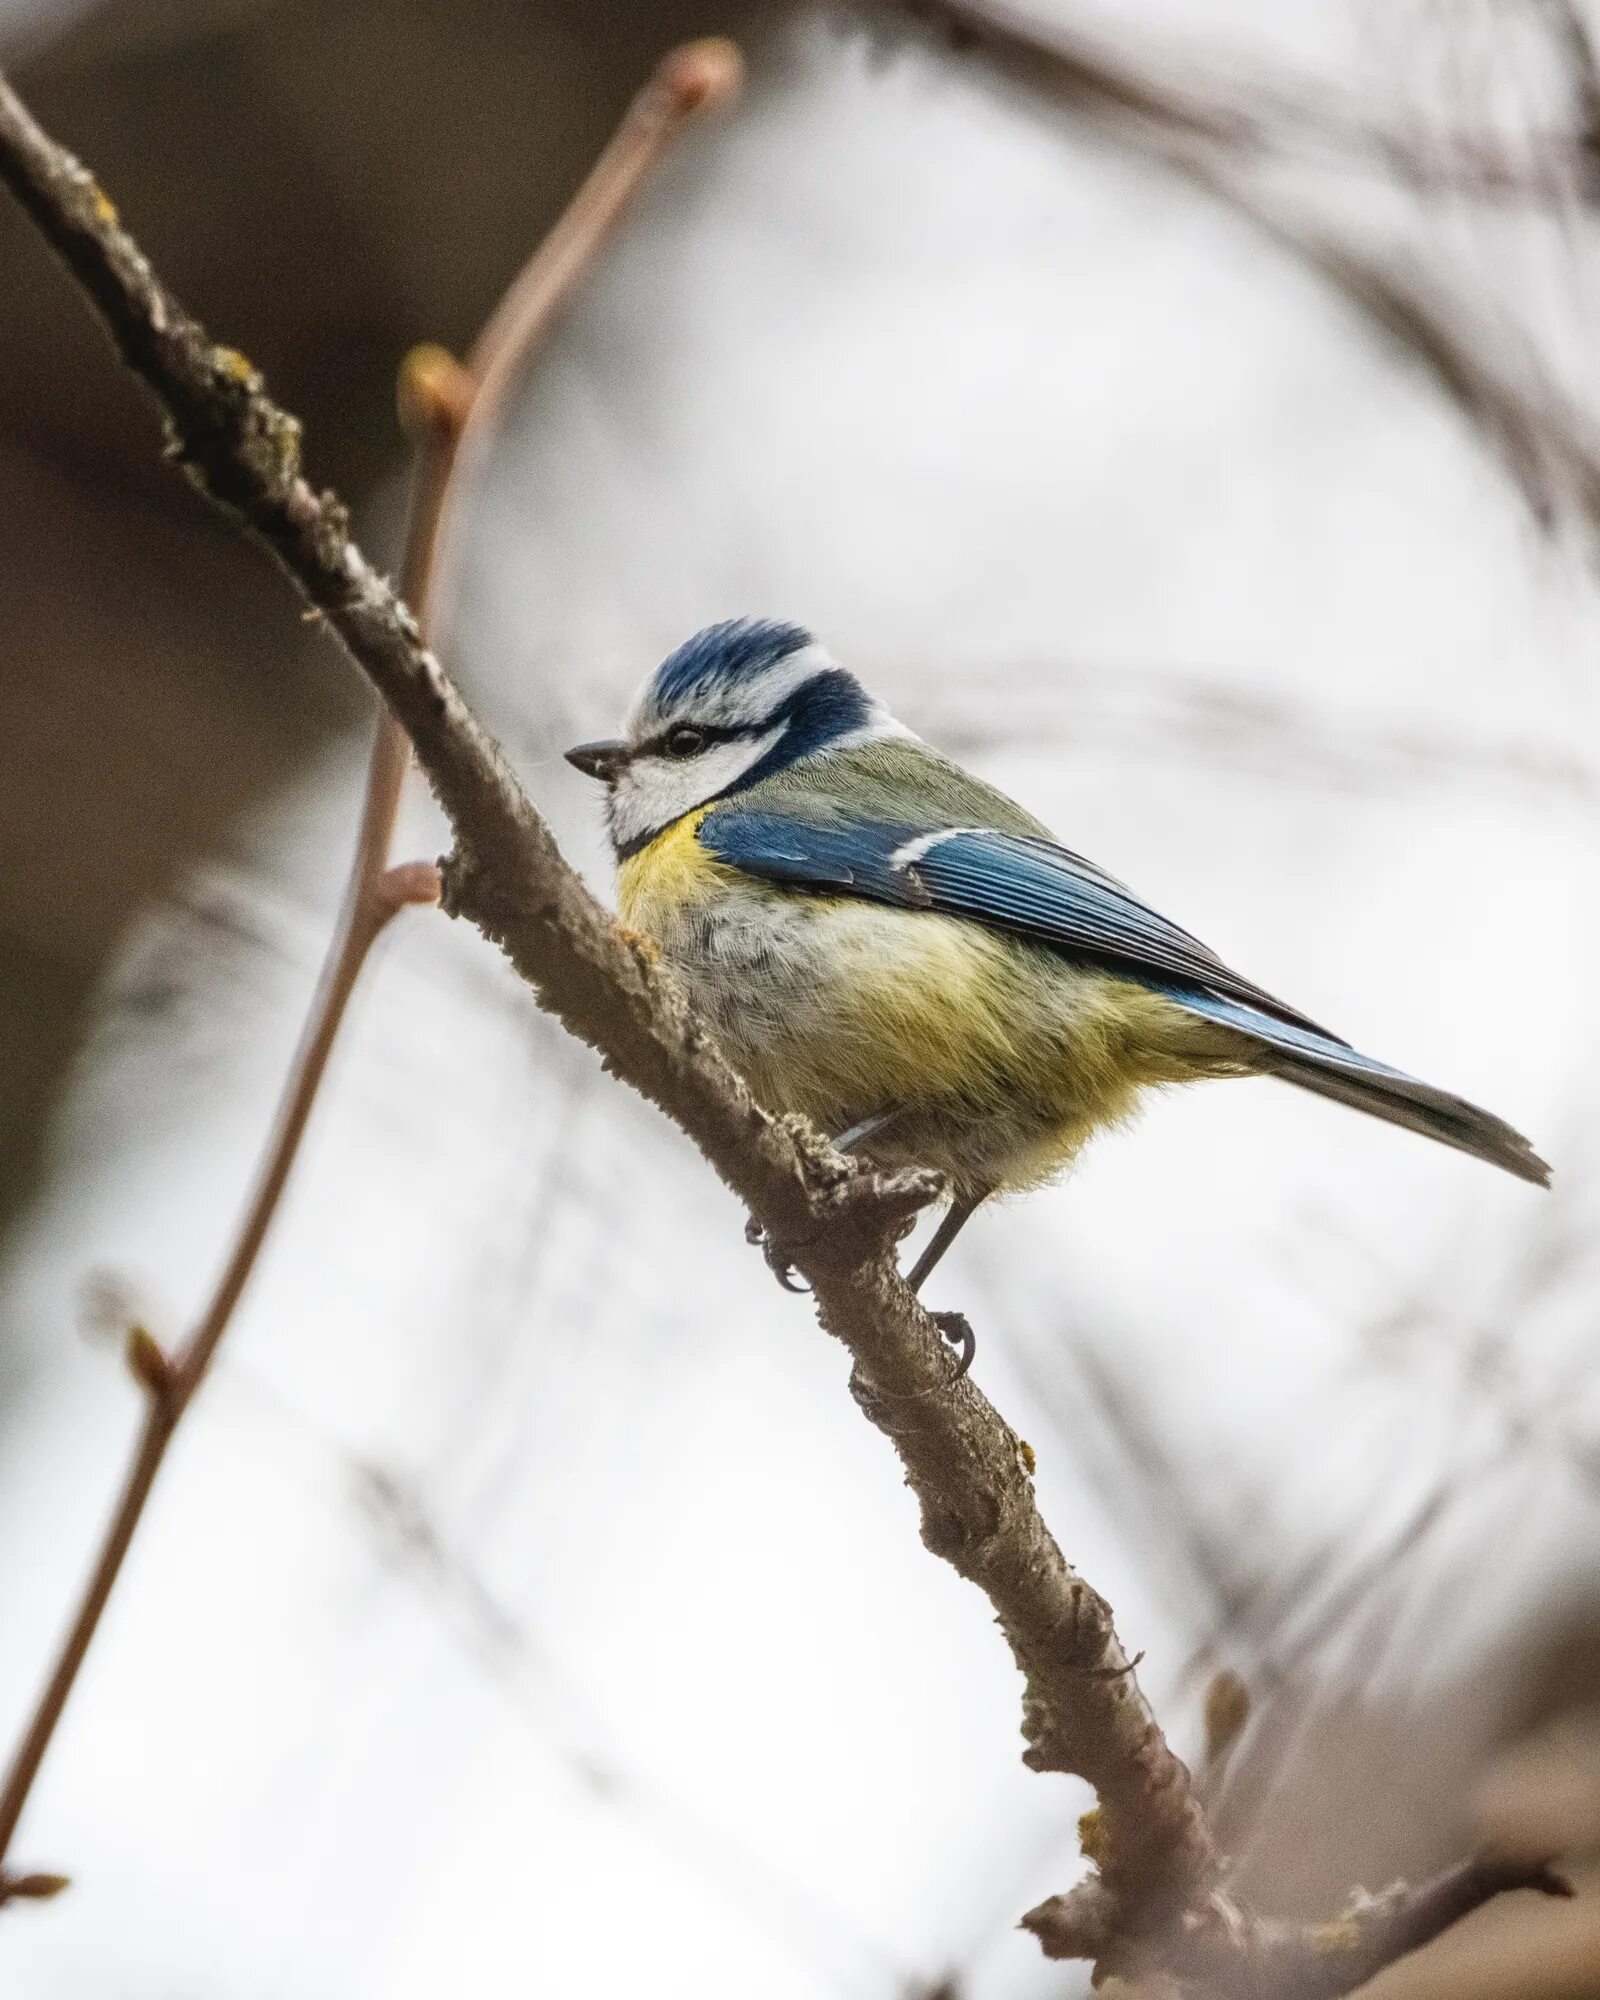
pixel 658 884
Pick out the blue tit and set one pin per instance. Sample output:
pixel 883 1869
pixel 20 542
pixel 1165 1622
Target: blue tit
pixel 899 952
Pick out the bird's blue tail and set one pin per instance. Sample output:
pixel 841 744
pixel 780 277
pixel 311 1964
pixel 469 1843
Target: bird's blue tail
pixel 1331 1068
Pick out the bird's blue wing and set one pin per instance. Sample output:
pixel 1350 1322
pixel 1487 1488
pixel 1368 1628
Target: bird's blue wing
pixel 1010 882
pixel 1032 888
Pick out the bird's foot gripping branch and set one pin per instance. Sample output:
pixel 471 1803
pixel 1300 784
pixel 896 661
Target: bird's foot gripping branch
pixel 1155 1901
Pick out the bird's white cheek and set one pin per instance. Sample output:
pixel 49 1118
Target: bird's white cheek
pixel 650 795
pixel 655 791
pixel 625 809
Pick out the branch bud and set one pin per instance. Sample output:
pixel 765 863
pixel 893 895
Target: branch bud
pixel 432 394
pixel 147 1360
pixel 703 75
pixel 1227 1711
pixel 34 1888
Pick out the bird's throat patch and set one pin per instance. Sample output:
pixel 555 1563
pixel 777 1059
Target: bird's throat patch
pixel 654 885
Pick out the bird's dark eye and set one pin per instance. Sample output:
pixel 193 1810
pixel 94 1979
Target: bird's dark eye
pixel 684 741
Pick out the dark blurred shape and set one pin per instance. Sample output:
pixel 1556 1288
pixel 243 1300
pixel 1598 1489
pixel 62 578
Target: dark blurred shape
pixel 1544 1797
pixel 325 184
pixel 1541 1797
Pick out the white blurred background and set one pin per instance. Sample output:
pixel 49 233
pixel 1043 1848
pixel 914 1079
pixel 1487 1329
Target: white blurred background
pixel 525 1608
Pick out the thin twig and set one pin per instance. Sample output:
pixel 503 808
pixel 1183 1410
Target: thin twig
pixel 1254 113
pixel 1218 137
pixel 1264 1958
pixel 444 404
pixel 1154 1898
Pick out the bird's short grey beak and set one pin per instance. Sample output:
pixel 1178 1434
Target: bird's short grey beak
pixel 599 760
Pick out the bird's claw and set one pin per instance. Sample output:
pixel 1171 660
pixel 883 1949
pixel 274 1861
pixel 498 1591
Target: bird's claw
pixel 783 1270
pixel 957 1330
pixel 778 1262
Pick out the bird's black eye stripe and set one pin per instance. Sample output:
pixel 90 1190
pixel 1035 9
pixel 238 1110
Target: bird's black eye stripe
pixel 686 739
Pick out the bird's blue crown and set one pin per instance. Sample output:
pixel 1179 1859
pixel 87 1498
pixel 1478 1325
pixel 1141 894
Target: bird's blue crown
pixel 732 706
pixel 724 656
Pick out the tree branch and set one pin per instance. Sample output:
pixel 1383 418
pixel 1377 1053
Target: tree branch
pixel 1154 1898
pixel 442 404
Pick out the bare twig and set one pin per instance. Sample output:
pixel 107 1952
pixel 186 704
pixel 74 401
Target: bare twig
pixel 1154 1898
pixel 1255 114
pixel 1218 135
pixel 1547 442
pixel 839 1950
pixel 1259 1958
pixel 443 404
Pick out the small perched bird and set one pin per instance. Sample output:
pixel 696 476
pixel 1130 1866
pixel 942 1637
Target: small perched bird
pixel 895 949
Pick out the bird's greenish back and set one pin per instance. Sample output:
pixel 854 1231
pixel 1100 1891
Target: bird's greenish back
pixel 890 780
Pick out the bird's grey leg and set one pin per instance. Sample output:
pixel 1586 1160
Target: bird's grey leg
pixel 847 1142
pixel 954 1326
pixel 956 1218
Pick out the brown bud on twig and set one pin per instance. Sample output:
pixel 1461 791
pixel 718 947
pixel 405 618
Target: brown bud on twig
pixel 703 75
pixel 1227 1712
pixel 433 394
pixel 36 1888
pixel 148 1362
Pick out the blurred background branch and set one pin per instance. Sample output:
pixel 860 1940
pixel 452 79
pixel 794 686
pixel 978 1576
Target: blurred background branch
pixel 1220 134
pixel 1178 97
